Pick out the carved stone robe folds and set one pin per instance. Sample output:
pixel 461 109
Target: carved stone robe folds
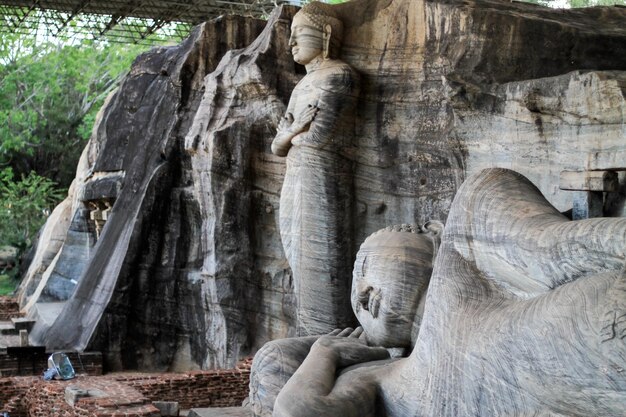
pixel 523 311
pixel 316 199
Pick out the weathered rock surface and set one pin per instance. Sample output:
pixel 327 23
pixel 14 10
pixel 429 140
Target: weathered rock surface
pixel 134 161
pixel 243 277
pixel 188 270
pixel 542 127
pixel 523 308
pixel 533 314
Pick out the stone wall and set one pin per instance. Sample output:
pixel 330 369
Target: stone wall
pixel 88 363
pixel 9 308
pixel 217 388
pixel 125 393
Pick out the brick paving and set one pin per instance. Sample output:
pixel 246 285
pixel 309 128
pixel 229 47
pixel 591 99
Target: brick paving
pixel 215 388
pixel 33 397
pixel 9 308
pixel 125 394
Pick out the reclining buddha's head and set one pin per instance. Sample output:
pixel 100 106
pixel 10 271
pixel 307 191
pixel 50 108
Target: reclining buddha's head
pixel 390 280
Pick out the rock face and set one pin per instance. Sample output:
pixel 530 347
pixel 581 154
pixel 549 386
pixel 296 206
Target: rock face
pixel 244 283
pixel 148 249
pixel 188 269
pixel 523 307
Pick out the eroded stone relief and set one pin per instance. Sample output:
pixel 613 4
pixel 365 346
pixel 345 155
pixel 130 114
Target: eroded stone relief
pixel 390 280
pixel 525 315
pixel 190 270
pixel 99 212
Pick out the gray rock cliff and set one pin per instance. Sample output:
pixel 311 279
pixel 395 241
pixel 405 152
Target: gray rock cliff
pixel 188 268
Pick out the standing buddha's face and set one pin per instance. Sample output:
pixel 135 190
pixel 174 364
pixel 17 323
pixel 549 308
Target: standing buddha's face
pixel 306 40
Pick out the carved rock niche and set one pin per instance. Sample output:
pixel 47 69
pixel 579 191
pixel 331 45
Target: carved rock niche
pixel 189 270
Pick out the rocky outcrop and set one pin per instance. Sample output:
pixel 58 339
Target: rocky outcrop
pixel 242 275
pixel 523 307
pixel 542 127
pixel 188 270
pixel 134 162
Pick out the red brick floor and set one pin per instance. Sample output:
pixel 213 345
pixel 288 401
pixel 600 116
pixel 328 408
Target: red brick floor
pixel 121 394
pixel 125 394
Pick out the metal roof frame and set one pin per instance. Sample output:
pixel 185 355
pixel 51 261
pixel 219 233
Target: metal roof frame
pixel 129 21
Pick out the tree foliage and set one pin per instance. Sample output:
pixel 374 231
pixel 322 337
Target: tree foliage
pixel 50 93
pixel 49 96
pixel 26 203
pixel 574 4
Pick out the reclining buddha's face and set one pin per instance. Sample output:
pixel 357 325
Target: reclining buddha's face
pixel 390 278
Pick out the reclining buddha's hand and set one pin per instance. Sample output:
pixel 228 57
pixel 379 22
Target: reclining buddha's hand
pixel 349 347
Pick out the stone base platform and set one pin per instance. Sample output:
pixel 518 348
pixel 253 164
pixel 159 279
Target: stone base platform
pixel 220 412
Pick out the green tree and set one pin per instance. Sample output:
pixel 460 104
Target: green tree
pixel 572 4
pixel 49 96
pixel 26 203
pixel 592 3
pixel 50 92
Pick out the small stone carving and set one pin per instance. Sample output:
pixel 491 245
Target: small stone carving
pixel 390 279
pixel 524 317
pixel 317 195
pixel 99 212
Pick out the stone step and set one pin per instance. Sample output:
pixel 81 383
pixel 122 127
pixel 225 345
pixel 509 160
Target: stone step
pixel 220 412
pixel 167 408
pixel 8 329
pixel 22 323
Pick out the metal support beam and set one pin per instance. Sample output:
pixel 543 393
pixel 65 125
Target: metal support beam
pixel 99 18
pixel 74 13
